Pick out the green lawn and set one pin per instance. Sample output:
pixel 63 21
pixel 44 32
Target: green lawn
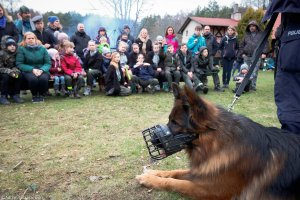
pixel 64 143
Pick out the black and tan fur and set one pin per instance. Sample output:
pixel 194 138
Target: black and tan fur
pixel 233 157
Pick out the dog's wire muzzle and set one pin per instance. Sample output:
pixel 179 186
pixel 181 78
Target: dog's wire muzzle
pixel 161 143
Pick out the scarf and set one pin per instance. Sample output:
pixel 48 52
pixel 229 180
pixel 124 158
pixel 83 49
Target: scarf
pixel 3 22
pixel 144 45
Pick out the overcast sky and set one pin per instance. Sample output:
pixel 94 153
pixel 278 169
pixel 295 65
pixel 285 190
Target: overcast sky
pixel 161 7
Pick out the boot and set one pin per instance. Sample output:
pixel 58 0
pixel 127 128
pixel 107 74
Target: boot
pixel 17 99
pixel 76 95
pixel 87 91
pixel 63 90
pixel 4 100
pixel 56 90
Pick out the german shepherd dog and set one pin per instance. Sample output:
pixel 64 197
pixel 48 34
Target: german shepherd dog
pixel 233 157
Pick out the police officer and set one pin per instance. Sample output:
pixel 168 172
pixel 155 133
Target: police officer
pixel 287 81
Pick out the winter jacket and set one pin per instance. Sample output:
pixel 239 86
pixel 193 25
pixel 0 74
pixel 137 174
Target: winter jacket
pixel 132 59
pixel 200 63
pixel 185 61
pixel 80 40
pixel 112 81
pixel 23 27
pixel 29 58
pixel 101 46
pixel 229 47
pixel 148 45
pixel 55 64
pixel 10 29
pixel 194 47
pixel 46 38
pixel 7 59
pixel 171 39
pixel 211 44
pixel 170 62
pixel 70 64
pixel 250 41
pixel 144 72
pixel 92 62
pixel 105 64
pixel 130 37
pixel 161 55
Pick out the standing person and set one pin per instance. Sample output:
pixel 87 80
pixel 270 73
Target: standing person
pixel 212 46
pixel 287 80
pixel 24 23
pixel 10 75
pixel 144 42
pixel 80 40
pixel 126 29
pixel 196 41
pixel 57 73
pixel 47 39
pixel 53 25
pixel 102 33
pixel 34 62
pixel 247 47
pixel 7 27
pixel 72 69
pixel 115 84
pixel 229 47
pixel 170 38
pixel 92 66
pixel 187 69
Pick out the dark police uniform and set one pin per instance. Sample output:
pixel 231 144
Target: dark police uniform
pixel 287 82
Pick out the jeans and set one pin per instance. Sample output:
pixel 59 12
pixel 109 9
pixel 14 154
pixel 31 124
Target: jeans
pixel 227 67
pixel 92 74
pixel 38 85
pixel 59 79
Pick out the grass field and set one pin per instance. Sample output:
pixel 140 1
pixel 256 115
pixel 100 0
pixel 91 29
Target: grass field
pixel 92 148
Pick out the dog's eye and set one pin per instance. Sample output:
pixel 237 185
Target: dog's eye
pixel 174 122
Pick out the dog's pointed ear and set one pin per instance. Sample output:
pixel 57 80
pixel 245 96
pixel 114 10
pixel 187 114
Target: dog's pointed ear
pixel 176 90
pixel 195 101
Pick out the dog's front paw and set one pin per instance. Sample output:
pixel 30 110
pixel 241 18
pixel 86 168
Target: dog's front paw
pixel 158 173
pixel 146 180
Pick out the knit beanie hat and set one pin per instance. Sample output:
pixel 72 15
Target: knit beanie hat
pixel 10 41
pixel 52 52
pixel 159 37
pixel 52 19
pixel 23 9
pixel 244 66
pixel 105 50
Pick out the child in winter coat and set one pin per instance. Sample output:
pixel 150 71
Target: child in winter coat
pixel 56 72
pixel 240 77
pixel 72 69
pixel 103 43
pixel 10 75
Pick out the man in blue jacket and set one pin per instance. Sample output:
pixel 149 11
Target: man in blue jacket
pixel 287 81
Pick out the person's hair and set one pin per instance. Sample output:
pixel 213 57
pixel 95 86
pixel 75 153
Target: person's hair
pixel 122 43
pixel 112 62
pixel 198 28
pixel 141 54
pixel 231 27
pixel 23 43
pixel 134 44
pixel 8 18
pixel 91 41
pixel 183 44
pixel 79 24
pixel 166 33
pixel 170 45
pixel 68 44
pixel 142 30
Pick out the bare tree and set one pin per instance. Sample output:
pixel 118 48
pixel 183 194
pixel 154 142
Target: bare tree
pixel 255 3
pixel 10 5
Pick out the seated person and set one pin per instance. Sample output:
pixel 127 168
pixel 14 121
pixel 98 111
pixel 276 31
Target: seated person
pixel 92 66
pixel 106 59
pixel 115 84
pixel 124 38
pixel 132 57
pixel 201 68
pixel 187 70
pixel 103 43
pixel 144 75
pixel 172 69
pixel 72 69
pixel 56 72
pixel 10 75
pixel 240 77
pixel 34 62
pixel 156 59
